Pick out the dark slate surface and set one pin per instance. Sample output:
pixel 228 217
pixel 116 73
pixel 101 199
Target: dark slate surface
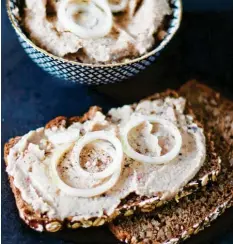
pixel 207 5
pixel 202 49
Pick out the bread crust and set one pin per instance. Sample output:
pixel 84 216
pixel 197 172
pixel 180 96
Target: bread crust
pixel 221 108
pixel 132 204
pixel 217 197
pixel 128 230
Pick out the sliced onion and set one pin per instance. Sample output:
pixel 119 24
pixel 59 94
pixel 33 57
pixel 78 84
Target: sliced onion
pixel 101 17
pixel 118 7
pixel 77 192
pixel 99 135
pixel 166 158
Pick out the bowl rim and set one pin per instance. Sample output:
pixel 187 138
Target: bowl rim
pixel 132 61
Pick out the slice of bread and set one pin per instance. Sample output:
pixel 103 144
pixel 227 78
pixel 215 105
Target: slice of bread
pixel 177 221
pixel 128 206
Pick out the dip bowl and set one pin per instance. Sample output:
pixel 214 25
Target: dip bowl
pixel 92 74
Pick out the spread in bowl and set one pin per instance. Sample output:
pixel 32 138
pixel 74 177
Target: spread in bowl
pixel 95 31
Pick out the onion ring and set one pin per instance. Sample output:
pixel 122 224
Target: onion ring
pixel 98 9
pixel 118 7
pixel 115 169
pixel 166 158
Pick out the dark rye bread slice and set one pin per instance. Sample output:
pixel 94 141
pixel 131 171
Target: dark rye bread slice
pixel 130 205
pixel 177 221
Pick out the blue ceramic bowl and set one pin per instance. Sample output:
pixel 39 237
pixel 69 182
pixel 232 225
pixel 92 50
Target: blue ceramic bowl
pixel 92 74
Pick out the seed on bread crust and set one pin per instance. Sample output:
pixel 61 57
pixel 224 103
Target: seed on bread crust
pixel 75 225
pixel 214 178
pixel 204 180
pixel 53 226
pixel 128 212
pixel 148 208
pixel 98 222
pixel 159 204
pixel 115 214
pixel 190 231
pixel 86 223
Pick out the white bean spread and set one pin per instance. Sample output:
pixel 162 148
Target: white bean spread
pixel 95 31
pixel 31 160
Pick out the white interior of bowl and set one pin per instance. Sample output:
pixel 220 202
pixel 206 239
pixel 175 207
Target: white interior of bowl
pixel 173 27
